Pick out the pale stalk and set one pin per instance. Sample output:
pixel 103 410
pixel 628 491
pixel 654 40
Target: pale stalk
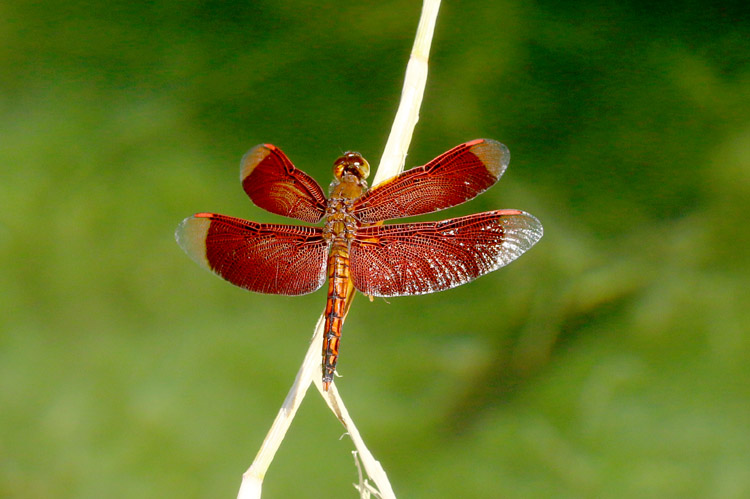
pixel 394 154
pixel 252 479
pixel 391 163
pixel 372 467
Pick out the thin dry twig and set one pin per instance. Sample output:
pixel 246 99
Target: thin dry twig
pixel 252 479
pixel 394 154
pixel 391 163
pixel 363 486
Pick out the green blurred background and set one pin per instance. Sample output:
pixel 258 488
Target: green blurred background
pixel 610 361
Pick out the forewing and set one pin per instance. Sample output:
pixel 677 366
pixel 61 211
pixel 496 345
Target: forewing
pixel 419 258
pixel 266 258
pixel 274 184
pixel 450 179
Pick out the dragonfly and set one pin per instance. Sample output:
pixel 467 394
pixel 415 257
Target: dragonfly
pixel 354 250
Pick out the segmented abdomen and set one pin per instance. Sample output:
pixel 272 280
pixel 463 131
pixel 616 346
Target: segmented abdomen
pixel 338 289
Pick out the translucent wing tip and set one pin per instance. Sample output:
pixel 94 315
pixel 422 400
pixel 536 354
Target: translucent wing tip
pixel 535 228
pixel 524 230
pixel 253 158
pixel 494 155
pixel 191 237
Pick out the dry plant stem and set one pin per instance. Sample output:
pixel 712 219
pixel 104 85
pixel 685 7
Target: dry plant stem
pixel 372 467
pixel 363 486
pixel 252 479
pixel 391 163
pixel 394 154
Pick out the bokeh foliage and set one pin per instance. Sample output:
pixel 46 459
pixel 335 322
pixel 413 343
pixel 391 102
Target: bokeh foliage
pixel 611 361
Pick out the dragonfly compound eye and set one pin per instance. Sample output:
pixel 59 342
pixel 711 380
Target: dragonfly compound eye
pixel 351 163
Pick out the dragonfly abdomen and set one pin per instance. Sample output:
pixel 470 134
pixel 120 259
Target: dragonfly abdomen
pixel 339 285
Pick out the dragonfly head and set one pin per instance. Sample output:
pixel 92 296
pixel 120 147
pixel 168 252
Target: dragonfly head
pixel 351 163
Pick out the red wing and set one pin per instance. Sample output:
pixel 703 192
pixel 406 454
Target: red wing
pixel 419 258
pixel 274 184
pixel 450 179
pixel 266 258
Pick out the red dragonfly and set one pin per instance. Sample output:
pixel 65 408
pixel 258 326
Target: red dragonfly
pixel 353 248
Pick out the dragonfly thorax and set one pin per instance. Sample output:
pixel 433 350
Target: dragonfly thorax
pixel 340 223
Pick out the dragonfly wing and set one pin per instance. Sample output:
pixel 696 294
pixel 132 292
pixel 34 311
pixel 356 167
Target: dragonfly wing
pixel 273 183
pixel 448 180
pixel 265 258
pixel 420 258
